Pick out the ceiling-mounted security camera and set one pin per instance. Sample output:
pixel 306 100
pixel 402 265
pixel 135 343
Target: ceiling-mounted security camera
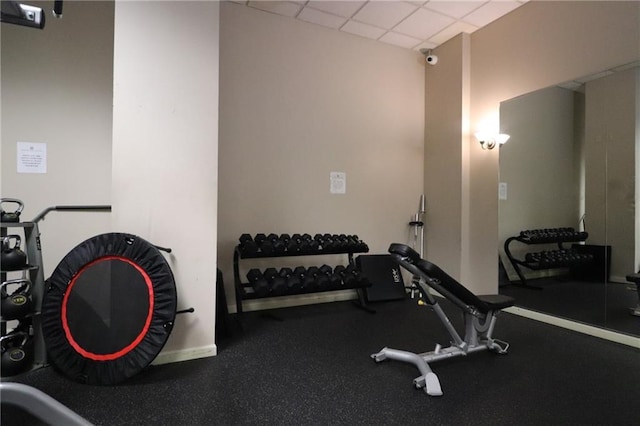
pixel 13 12
pixel 431 59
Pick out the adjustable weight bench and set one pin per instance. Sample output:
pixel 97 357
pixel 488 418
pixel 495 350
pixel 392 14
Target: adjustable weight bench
pixel 635 278
pixel 479 318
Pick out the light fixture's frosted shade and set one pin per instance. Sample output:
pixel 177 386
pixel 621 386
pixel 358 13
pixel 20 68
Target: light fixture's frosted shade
pixel 502 138
pixel 482 136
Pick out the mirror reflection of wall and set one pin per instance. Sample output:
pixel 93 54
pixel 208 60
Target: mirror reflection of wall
pixel 571 162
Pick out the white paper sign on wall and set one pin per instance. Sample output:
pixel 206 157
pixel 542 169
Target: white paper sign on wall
pixel 31 157
pixel 502 191
pixel 338 182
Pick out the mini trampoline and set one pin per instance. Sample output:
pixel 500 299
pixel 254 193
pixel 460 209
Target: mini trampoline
pixel 108 309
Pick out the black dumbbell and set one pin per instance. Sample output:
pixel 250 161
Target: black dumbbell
pixel 248 247
pixel 258 282
pixel 310 283
pixel 308 246
pixel 266 247
pixel 277 284
pixel 277 245
pixel 344 275
pixel 299 272
pixel 335 280
pixel 293 280
pixel 293 246
pixel 324 277
pixel 351 276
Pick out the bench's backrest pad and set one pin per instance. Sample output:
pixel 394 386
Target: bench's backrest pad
pixel 432 271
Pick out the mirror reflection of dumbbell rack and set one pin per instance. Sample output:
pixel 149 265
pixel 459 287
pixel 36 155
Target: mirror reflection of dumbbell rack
pixel 547 259
pixel 23 331
pixel 288 281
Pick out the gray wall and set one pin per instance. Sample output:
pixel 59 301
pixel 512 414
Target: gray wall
pixel 539 165
pixel 611 136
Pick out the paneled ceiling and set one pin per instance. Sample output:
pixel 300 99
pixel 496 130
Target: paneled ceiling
pixel 409 24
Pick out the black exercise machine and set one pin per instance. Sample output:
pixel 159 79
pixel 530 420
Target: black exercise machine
pixel 480 314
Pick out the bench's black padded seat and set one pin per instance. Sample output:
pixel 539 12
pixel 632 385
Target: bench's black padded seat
pixel 483 303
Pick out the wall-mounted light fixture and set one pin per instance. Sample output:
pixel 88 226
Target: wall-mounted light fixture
pixel 489 141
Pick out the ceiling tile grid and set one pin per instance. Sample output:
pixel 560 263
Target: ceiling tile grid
pixel 409 24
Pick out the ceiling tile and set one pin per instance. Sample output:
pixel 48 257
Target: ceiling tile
pixel 364 30
pixel 452 31
pixel 426 45
pixel 285 8
pixel 340 8
pixel 456 9
pixel 384 14
pixel 489 12
pixel 423 24
pixel 407 23
pixel 321 18
pixel 400 40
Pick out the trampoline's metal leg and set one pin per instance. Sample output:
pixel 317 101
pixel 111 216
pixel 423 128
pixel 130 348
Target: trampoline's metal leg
pixel 40 405
pixel 427 380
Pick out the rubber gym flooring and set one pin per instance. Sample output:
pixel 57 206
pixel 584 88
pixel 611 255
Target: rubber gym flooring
pixel 593 303
pixel 311 366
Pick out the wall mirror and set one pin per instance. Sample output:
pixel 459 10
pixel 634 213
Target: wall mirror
pixel 570 174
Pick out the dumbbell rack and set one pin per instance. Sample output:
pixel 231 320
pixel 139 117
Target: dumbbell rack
pixel 35 273
pixel 548 259
pixel 244 291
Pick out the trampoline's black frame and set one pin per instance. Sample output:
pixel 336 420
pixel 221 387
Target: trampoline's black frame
pixel 107 369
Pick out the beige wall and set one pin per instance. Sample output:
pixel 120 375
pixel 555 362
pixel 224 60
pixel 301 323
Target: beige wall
pixel 299 101
pixel 535 46
pixel 444 161
pixel 57 89
pixel 165 145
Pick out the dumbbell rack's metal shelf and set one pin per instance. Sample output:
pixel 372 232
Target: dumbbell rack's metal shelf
pixel 35 273
pixel 244 291
pixel 536 266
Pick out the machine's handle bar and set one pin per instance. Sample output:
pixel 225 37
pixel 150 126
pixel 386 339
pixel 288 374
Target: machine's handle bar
pixel 42 214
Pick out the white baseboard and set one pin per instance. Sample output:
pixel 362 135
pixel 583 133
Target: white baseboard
pixel 590 330
pixel 295 300
pixel 185 354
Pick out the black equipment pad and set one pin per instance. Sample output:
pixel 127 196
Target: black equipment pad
pixel 384 275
